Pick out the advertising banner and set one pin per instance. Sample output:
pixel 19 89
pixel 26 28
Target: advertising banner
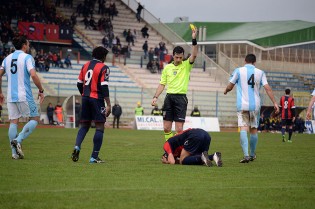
pixel 156 123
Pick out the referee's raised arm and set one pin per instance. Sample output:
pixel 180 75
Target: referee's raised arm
pixel 194 48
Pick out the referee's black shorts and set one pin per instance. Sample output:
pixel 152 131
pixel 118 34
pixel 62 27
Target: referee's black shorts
pixel 175 107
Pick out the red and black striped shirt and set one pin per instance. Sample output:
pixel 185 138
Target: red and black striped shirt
pixel 287 107
pixel 94 74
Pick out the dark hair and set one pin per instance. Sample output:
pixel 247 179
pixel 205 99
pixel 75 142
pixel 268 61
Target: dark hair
pixel 287 91
pixel 100 53
pixel 178 50
pixel 250 58
pixel 19 41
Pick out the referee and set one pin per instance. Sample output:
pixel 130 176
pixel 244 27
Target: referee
pixel 176 76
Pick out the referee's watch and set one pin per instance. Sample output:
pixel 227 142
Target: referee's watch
pixel 41 91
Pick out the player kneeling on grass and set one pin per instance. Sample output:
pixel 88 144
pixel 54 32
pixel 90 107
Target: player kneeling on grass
pixel 190 148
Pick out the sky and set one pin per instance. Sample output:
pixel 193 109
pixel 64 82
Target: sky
pixel 232 10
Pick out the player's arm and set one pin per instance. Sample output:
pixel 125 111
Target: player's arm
pixel 1 94
pixel 168 157
pixel 38 84
pixel 159 90
pixel 309 109
pixel 194 48
pixel 272 97
pixel 229 88
pixel 293 110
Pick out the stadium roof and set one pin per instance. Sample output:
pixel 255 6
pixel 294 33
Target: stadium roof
pixel 266 34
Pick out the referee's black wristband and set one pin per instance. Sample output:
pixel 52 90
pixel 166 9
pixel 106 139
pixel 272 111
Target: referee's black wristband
pixel 194 42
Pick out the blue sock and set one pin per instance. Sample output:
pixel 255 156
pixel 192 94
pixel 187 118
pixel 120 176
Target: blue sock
pixel 81 135
pixel 244 142
pixel 192 160
pixel 253 143
pixel 27 130
pixel 97 140
pixel 12 134
pixel 283 131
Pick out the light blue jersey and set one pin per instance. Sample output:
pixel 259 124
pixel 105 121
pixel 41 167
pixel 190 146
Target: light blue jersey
pixel 17 67
pixel 248 80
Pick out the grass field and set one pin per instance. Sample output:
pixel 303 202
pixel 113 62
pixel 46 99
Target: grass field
pixel 283 176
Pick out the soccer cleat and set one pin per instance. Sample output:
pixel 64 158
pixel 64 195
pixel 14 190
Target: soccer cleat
pixel 97 160
pixel 217 159
pixel 205 159
pixel 252 158
pixel 15 156
pixel 290 141
pixel 283 139
pixel 75 155
pixel 18 148
pixel 245 160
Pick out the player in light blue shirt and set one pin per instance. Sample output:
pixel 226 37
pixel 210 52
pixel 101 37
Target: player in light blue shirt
pixel 248 80
pixel 19 67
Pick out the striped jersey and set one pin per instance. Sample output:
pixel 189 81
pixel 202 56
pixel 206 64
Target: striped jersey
pixel 248 80
pixel 94 74
pixel 17 66
pixel 287 106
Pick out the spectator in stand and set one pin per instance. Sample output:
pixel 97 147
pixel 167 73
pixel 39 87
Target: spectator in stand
pixel 144 32
pixel 116 111
pixel 139 9
pixel 156 111
pixel 59 61
pixel 153 66
pixel 145 49
pixel 112 10
pixel 59 114
pixel 125 51
pixel 86 23
pixel 262 121
pixel 68 61
pixel 125 33
pixel 129 38
pixel 73 19
pixel 139 109
pixel 50 113
pixel 195 112
pixel 151 54
pixel 105 41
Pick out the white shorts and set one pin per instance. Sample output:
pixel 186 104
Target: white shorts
pixel 22 109
pixel 248 118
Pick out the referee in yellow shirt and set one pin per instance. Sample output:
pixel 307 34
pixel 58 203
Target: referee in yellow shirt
pixel 176 76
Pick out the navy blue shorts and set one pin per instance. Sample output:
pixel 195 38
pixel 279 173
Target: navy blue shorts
pixel 93 110
pixel 175 107
pixel 197 141
pixel 286 122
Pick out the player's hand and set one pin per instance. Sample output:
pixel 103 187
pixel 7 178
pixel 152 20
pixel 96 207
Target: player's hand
pixel 1 98
pixel 194 33
pixel 108 110
pixel 293 119
pixel 308 115
pixel 153 103
pixel 41 97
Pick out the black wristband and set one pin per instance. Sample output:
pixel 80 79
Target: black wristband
pixel 194 42
pixel 155 97
pixel 41 91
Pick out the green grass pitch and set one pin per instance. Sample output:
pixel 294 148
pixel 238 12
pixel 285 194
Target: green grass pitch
pixel 283 176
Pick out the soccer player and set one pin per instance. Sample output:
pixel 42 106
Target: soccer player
pixel 176 76
pixel 310 105
pixel 249 80
pixel 19 67
pixel 287 110
pixel 93 86
pixel 190 148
